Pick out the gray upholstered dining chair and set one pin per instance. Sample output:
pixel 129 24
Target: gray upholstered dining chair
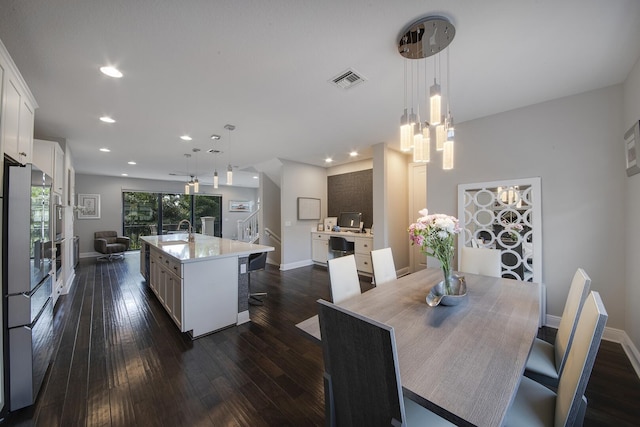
pixel 362 384
pixel 384 269
pixel 546 361
pixel 485 261
pixel 537 405
pixel 343 275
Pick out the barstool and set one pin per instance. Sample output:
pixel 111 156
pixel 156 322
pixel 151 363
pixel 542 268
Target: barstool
pixel 256 262
pixel 341 245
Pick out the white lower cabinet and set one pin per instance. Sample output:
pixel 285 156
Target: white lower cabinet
pixel 201 297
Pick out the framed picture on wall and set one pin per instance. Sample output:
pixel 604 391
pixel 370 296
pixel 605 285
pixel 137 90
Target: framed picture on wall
pixel 308 208
pixel 239 206
pixel 88 206
pixel 631 140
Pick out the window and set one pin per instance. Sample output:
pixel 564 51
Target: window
pixel 148 213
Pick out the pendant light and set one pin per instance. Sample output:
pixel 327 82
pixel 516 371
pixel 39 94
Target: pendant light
pixel 215 165
pixel 187 186
pixel 421 39
pixel 196 183
pixel 229 168
pixel 406 127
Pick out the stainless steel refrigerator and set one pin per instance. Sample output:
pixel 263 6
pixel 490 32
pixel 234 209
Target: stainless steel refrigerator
pixel 28 252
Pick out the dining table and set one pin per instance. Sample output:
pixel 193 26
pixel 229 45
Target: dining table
pixel 465 361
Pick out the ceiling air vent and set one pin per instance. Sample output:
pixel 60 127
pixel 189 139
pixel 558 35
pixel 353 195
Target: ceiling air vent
pixel 348 79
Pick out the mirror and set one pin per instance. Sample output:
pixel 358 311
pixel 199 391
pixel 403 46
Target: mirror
pixel 504 215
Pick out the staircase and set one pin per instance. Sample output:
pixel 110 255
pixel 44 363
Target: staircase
pixel 248 230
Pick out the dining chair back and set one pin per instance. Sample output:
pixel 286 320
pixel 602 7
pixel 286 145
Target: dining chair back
pixel 537 405
pixel 362 379
pixel 546 361
pixel 343 275
pixel 483 261
pixel 384 269
pixel 582 356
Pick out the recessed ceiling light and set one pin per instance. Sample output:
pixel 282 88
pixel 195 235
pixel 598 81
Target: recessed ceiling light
pixel 186 138
pixel 111 72
pixel 215 137
pixel 353 153
pixel 328 160
pixel 124 174
pixel 107 119
pixel 105 150
pixel 255 177
pixel 132 163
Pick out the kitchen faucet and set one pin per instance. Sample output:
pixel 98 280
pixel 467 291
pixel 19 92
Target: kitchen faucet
pixel 192 237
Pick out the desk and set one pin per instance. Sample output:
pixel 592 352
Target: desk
pixel 463 362
pixel 363 243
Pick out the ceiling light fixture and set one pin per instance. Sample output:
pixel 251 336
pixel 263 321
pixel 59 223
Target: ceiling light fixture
pixel 196 183
pixel 328 160
pixel 186 138
pixel 215 166
pixel 107 119
pixel 187 186
pixel 353 153
pixel 111 72
pixel 420 40
pixel 229 168
pixel 105 150
pixel 132 163
pixel 215 137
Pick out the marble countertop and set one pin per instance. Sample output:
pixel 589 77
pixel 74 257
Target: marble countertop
pixel 203 248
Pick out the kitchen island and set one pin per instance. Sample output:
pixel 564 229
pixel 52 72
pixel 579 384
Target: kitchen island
pixel 203 284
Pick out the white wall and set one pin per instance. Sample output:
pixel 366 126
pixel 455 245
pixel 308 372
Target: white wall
pixel 270 211
pixel 110 190
pixel 299 180
pixel 574 145
pixel 631 115
pixel 391 203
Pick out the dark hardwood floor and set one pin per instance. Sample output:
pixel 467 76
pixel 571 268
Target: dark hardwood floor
pixel 120 360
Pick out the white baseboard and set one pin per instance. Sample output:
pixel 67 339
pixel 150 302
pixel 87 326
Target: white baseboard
pixel 298 264
pixel 243 317
pixel 613 335
pixel 67 286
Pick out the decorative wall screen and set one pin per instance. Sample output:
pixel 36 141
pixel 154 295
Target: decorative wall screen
pixel 504 215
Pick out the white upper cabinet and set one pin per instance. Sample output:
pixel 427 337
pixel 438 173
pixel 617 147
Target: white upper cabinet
pixel 49 158
pixel 17 111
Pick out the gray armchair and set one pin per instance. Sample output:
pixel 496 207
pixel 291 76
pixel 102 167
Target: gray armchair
pixel 110 245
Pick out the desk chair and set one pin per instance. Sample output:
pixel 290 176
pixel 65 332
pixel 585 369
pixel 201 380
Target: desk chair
pixel 341 245
pixel 384 269
pixel 362 383
pixel 536 405
pixel 483 261
pixel 546 361
pixel 343 275
pixel 256 262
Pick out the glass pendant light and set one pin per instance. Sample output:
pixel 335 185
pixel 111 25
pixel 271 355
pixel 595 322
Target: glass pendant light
pixel 187 188
pixel 422 146
pixel 229 168
pixel 441 135
pixel 229 175
pixel 194 182
pixel 435 102
pixel 406 128
pixel 215 179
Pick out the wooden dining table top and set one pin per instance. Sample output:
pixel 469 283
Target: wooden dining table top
pixel 463 362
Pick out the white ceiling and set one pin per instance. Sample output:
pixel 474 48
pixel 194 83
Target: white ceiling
pixel 190 67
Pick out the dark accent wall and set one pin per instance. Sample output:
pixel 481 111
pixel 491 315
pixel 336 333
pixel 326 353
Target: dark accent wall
pixel 351 192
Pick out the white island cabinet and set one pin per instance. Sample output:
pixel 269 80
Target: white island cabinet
pixel 201 284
